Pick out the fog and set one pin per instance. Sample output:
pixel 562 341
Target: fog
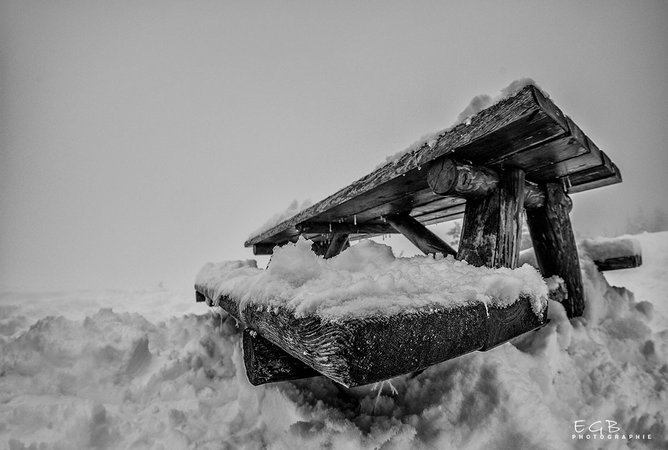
pixel 139 140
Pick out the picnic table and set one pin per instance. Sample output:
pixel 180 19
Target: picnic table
pixel 520 158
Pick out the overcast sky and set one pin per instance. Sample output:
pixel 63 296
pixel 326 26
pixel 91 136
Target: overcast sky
pixel 140 139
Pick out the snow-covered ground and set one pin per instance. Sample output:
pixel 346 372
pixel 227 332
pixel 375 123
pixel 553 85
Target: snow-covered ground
pixel 155 370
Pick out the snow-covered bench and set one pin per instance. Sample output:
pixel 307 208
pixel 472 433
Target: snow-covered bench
pixel 606 253
pixel 520 156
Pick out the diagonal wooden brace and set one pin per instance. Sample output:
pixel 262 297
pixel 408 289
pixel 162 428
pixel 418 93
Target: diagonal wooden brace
pixel 419 235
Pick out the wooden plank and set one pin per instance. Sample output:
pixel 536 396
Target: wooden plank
pixel 615 178
pixel 264 249
pixel 505 323
pixel 355 352
pixel 557 157
pixel 601 175
pixel 442 213
pixel 437 204
pixel 554 245
pixel 268 363
pixel 619 262
pixel 493 224
pixel 419 235
pixel 346 228
pixel 524 121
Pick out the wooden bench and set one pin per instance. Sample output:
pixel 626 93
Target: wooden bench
pixel 521 157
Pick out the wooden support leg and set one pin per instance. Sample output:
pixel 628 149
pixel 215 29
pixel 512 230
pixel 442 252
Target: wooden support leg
pixel 493 224
pixel 268 363
pixel 338 244
pixel 554 245
pixel 419 235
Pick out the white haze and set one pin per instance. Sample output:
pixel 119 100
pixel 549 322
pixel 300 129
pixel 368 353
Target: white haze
pixel 139 140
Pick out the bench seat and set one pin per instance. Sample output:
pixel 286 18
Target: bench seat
pixel 358 351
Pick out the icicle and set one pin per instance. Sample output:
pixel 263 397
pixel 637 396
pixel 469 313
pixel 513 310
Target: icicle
pixel 330 227
pixel 379 386
pixel 355 219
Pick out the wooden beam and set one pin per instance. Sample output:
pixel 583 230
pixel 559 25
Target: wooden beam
pixel 492 225
pixel 345 228
pixel 448 177
pixel 263 249
pixel 619 262
pixel 507 322
pixel 554 245
pixel 357 351
pixel 419 235
pixel 338 244
pixel 267 363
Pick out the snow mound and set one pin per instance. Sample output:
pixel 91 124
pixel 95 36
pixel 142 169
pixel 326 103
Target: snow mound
pixel 602 248
pixel 128 380
pixel 366 280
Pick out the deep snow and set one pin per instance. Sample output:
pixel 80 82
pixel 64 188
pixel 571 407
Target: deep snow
pixel 134 378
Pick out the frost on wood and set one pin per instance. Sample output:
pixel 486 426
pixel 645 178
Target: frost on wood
pixel 477 104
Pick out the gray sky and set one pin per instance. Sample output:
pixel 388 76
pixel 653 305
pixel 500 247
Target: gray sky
pixel 140 139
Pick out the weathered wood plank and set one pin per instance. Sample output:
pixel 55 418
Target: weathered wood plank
pixel 346 228
pixel 509 322
pixel 268 363
pixel 264 249
pixel 619 262
pixel 493 224
pixel 354 351
pixel 554 245
pixel 419 235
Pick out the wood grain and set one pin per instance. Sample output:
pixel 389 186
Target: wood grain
pixel 268 363
pixel 554 245
pixel 419 235
pixel 355 351
pixel 492 225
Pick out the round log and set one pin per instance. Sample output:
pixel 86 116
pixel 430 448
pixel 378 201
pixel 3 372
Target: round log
pixel 449 177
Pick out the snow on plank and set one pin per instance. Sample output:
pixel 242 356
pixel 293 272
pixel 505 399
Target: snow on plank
pixel 613 253
pixel 365 316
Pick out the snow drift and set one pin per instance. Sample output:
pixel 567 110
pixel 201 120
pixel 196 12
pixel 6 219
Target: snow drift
pixel 113 379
